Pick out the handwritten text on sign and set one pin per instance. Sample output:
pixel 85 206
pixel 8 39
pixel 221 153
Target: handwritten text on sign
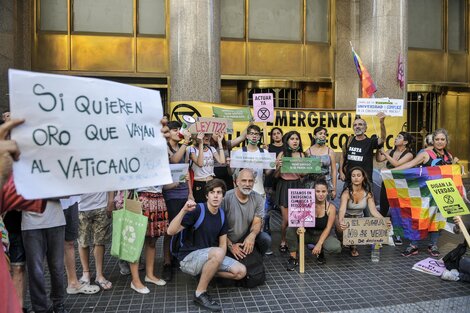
pixel 263 107
pixel 365 231
pixel 208 125
pixel 85 135
pixel 372 106
pixel 301 208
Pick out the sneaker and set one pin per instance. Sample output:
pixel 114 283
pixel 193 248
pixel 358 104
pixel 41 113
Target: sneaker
pixel 410 250
pixel 124 268
pixel 397 240
pixel 292 263
pixel 167 273
pixel 205 301
pixel 321 258
pixel 450 275
pixel 433 250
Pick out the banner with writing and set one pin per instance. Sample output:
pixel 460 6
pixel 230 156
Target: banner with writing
pixel 337 122
pixel 365 231
pixel 301 165
pixel 212 125
pixel 447 197
pixel 301 208
pixel 240 159
pixel 263 106
pixel 85 135
pixel 239 114
pixel 179 172
pixel 372 106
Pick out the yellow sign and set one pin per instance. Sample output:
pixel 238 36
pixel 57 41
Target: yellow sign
pixel 338 123
pixel 447 197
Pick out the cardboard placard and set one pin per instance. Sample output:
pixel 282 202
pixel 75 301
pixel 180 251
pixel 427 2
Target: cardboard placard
pixel 366 231
pixel 263 107
pixel 179 172
pixel 301 208
pixel 430 266
pixel 211 125
pixel 447 197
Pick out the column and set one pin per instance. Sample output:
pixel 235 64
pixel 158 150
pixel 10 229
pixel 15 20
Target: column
pixel 195 50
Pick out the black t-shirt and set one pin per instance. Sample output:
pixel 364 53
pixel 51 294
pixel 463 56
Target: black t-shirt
pixel 269 179
pixel 361 153
pixel 207 235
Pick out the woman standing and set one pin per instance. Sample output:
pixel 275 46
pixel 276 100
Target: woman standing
pixel 436 156
pixel 292 148
pixel 326 155
pixel 202 159
pixel 355 199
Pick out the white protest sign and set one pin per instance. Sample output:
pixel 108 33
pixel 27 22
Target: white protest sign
pixel 179 172
pixel 372 106
pixel 240 159
pixel 263 107
pixel 85 135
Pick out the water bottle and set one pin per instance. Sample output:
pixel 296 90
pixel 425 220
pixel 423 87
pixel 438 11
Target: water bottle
pixel 375 253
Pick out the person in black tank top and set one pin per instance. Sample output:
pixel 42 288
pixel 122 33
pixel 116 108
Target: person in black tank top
pixel 325 215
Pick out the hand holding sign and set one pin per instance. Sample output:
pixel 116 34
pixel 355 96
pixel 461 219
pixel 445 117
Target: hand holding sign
pixel 8 149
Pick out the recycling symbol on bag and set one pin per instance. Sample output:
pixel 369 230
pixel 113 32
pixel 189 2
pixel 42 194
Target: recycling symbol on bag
pixel 128 234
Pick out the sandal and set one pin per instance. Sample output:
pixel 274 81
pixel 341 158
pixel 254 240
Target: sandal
pixel 84 289
pixel 104 284
pixel 283 248
pixel 353 251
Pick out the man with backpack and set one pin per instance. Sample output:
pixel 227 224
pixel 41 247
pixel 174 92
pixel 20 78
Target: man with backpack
pixel 200 243
pixel 244 210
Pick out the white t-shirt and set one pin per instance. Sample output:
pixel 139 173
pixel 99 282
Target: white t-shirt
pixel 152 189
pixel 207 168
pixel 68 202
pixel 259 180
pixel 53 216
pixel 93 201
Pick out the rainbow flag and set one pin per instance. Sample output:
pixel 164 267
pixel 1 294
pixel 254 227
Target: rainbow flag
pixel 368 86
pixel 414 212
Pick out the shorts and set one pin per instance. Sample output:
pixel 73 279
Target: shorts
pixel 16 252
pixel 71 222
pixel 94 228
pixel 193 263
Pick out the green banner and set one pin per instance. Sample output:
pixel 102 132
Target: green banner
pixel 301 165
pixel 447 197
pixel 242 114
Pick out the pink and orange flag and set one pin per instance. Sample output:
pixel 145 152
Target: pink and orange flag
pixel 368 86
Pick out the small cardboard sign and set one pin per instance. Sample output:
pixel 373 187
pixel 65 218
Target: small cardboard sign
pixel 263 107
pixel 241 114
pixel 301 208
pixel 430 266
pixel 179 172
pixel 209 125
pixel 447 197
pixel 366 231
pixel 301 165
pixel 372 106
pixel 265 160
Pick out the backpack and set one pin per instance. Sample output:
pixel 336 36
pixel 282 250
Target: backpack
pixel 255 272
pixel 452 259
pixel 187 235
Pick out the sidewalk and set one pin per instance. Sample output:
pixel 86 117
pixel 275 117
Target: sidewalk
pixel 342 284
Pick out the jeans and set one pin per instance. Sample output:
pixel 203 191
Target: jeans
pixel 40 244
pixel 263 242
pixel 433 236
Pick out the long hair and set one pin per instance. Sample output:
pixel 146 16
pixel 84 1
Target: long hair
pixel 287 150
pixel 271 134
pixel 409 146
pixel 348 182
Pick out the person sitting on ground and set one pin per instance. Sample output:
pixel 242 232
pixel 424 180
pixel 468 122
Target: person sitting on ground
pixel 203 248
pixel 460 270
pixel 244 209
pixel 356 197
pixel 325 215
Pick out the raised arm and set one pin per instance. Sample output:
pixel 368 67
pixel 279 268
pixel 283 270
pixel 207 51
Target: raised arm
pixel 383 131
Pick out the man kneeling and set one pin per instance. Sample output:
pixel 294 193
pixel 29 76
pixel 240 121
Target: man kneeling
pixel 204 243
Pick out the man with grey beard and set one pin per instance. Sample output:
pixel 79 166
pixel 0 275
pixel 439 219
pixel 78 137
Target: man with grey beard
pixel 244 211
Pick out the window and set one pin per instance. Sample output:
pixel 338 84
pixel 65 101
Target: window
pixel 456 25
pixel 104 16
pixel 425 24
pixel 317 20
pixel 275 20
pixel 152 17
pixel 53 15
pixel 232 19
